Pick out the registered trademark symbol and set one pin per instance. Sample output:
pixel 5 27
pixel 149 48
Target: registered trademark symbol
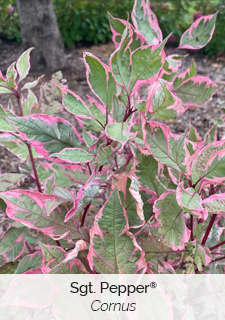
pixel 153 285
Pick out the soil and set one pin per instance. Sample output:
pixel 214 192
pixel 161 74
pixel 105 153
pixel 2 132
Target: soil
pixel 200 118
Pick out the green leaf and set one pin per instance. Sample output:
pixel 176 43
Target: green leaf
pixel 74 105
pixel 74 155
pixel 12 243
pixel 100 80
pixel 146 62
pixel 210 163
pixel 146 22
pixel 189 200
pixel 30 262
pixel 151 246
pixel 118 110
pixel 23 208
pixel 199 34
pixel 120 60
pixel 172 224
pixel 166 149
pixel 52 254
pixel 97 114
pixel 196 91
pixel 164 104
pixel 130 204
pixel 118 26
pixel 23 64
pixel 112 248
pixel 147 207
pixel 5 90
pixel 147 172
pixel 119 132
pixel 189 73
pixel 4 125
pixel 64 177
pixel 103 155
pixel 88 193
pixel 215 203
pixel 199 256
pixel 8 268
pixel 29 103
pixel 53 134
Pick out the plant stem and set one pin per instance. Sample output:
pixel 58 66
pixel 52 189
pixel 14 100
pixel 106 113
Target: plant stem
pixel 89 168
pixel 217 246
pixel 84 214
pixel 58 243
pixel 29 248
pixel 34 168
pixel 209 229
pixel 172 51
pixel 192 227
pixel 17 95
pixel 129 113
pixel 217 260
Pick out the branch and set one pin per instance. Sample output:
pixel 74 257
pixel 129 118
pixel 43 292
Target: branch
pixel 217 246
pixel 17 95
pixel 84 214
pixel 209 229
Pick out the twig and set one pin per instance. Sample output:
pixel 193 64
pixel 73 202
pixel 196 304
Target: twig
pixel 84 214
pixel 209 229
pixel 217 246
pixel 29 248
pixel 192 227
pixel 17 95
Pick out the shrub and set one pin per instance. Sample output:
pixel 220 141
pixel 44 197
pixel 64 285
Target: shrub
pixel 9 22
pixel 87 20
pixel 119 193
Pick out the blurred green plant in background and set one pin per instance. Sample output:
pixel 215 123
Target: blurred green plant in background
pixel 87 21
pixel 9 21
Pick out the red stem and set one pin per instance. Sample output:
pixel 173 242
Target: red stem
pixel 192 227
pixel 217 246
pixel 129 113
pixel 84 214
pixel 209 229
pixel 58 243
pixel 217 259
pixel 107 144
pixel 168 54
pixel 89 168
pixel 34 168
pixel 29 248
pixel 17 95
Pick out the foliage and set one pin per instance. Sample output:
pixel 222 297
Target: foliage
pixel 120 193
pixel 176 15
pixel 9 21
pixel 87 20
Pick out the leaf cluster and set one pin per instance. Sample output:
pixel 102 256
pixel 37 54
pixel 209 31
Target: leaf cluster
pixel 118 193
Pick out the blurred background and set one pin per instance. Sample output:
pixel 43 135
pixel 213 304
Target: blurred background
pixel 83 22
